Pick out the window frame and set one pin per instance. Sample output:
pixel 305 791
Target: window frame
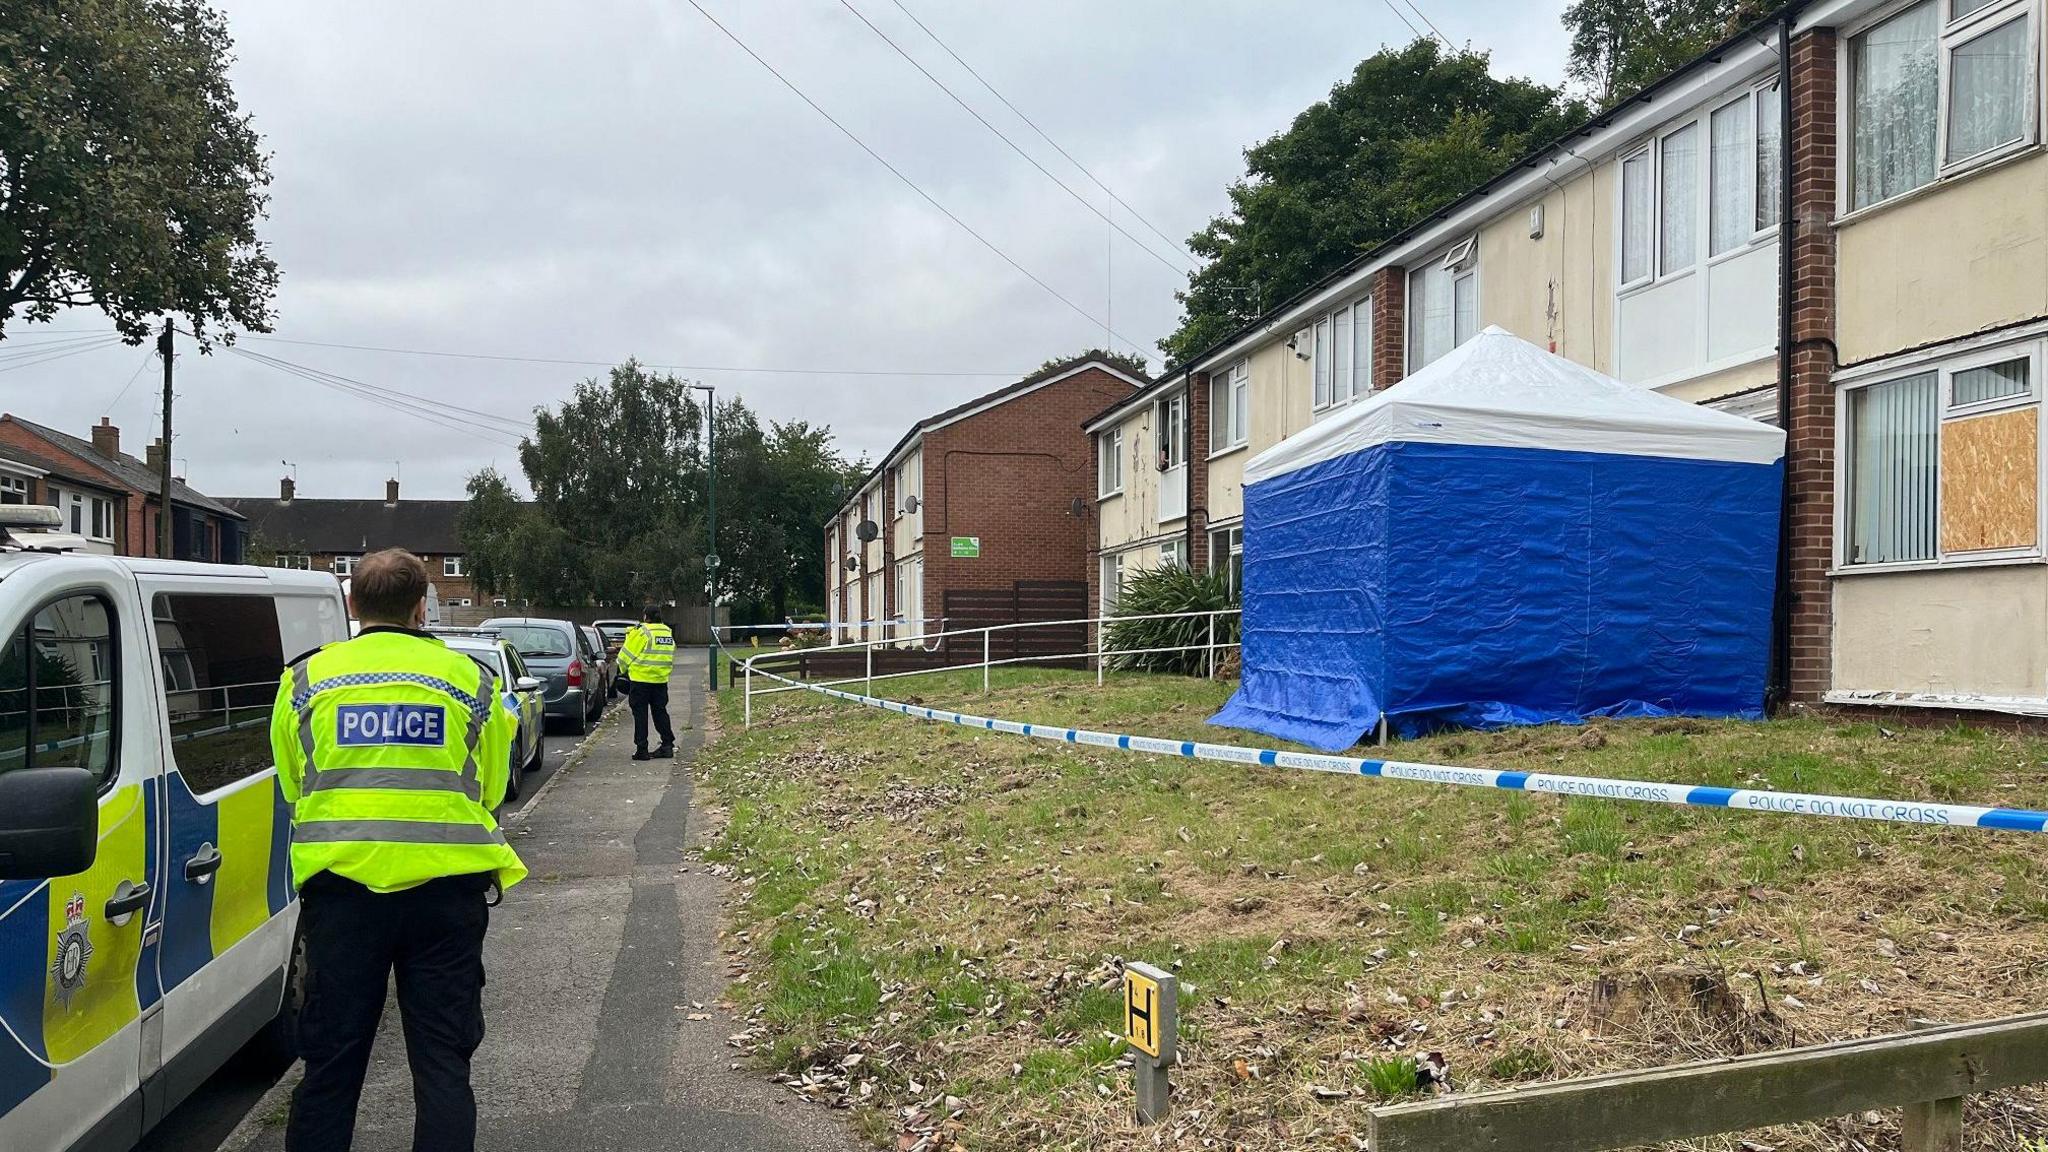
pixel 1760 94
pixel 1171 552
pixel 344 564
pixel 1467 268
pixel 1226 543
pixel 25 630
pixel 1950 33
pixel 1343 353
pixel 1106 601
pixel 452 568
pixel 14 485
pixel 1109 458
pixel 2033 348
pixel 1226 386
pixel 1170 417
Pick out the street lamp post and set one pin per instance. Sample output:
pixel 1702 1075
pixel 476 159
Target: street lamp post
pixel 711 529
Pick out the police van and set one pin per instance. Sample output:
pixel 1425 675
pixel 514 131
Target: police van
pixel 147 915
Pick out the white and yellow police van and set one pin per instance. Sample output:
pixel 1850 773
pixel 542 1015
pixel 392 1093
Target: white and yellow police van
pixel 147 915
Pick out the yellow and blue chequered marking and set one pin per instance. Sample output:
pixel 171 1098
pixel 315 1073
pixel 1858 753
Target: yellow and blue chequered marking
pixel 69 979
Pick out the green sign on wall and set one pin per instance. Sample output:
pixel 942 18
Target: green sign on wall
pixel 967 547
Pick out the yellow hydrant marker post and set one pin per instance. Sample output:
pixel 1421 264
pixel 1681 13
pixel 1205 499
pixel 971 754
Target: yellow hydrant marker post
pixel 1151 1016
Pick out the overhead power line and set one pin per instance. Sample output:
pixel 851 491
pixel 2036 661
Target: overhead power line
pixel 613 363
pixel 1403 18
pixel 433 412
pixel 1019 113
pixel 148 354
pixel 1426 20
pixel 44 354
pixel 1143 246
pixel 909 183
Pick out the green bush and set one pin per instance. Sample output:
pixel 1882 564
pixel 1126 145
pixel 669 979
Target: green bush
pixel 1179 590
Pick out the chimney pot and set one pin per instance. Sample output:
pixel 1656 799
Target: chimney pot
pixel 391 492
pixel 154 456
pixel 286 487
pixel 106 439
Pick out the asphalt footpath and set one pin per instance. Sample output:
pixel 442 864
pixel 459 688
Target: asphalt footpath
pixel 597 964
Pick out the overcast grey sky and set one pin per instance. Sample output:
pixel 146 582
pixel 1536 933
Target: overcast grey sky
pixel 603 180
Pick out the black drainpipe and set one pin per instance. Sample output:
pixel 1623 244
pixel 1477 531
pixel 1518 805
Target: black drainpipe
pixel 1781 603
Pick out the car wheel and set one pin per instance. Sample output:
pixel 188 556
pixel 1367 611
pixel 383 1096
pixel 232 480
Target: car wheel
pixel 580 724
pixel 512 779
pixel 540 754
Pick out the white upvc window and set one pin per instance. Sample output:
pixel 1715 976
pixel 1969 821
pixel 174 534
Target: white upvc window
pixel 1891 446
pixel 1670 192
pixel 13 490
pixel 1343 370
pixel 1319 360
pixel 1226 550
pixel 1109 463
pixel 1940 86
pixel 1170 417
pixel 1169 554
pixel 909 483
pixel 345 565
pixel 1443 304
pixel 451 565
pixel 1229 407
pixel 1744 166
pixel 298 561
pixel 1112 582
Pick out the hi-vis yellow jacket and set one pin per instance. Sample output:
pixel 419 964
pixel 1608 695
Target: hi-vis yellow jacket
pixel 648 653
pixel 393 752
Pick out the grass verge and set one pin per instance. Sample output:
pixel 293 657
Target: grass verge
pixel 933 916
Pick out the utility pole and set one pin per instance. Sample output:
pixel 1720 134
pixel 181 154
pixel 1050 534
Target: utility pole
pixel 163 502
pixel 711 528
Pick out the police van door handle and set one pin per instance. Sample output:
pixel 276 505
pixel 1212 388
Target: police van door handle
pixel 128 899
pixel 200 869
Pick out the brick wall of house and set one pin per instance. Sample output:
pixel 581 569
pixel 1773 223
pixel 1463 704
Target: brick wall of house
pixel 1198 472
pixel 1810 435
pixel 1010 475
pixel 1389 326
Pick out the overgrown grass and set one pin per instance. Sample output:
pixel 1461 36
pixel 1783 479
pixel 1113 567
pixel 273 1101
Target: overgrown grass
pixel 964 895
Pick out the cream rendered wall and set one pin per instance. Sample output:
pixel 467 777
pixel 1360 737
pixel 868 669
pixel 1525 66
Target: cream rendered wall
pixel 1556 291
pixel 1944 262
pixel 906 529
pixel 1278 407
pixel 1728 382
pixel 1967 631
pixel 1135 514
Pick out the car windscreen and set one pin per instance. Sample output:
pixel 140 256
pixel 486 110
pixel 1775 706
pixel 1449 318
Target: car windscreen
pixel 537 640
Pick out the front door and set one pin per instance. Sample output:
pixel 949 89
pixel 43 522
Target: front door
pixel 74 981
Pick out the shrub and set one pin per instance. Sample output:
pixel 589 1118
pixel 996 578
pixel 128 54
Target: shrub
pixel 1174 589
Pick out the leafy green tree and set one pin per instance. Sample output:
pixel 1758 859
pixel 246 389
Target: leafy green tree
pixel 1621 46
pixel 130 180
pixel 490 525
pixel 1133 364
pixel 1411 129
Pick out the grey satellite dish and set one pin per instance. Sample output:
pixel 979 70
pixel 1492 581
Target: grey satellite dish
pixel 853 561
pixel 867 530
pixel 911 504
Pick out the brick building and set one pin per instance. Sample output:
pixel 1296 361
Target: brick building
pixel 110 497
pixel 990 497
pixel 323 535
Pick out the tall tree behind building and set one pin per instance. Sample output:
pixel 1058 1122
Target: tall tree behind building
pixel 1411 129
pixel 133 181
pixel 1621 46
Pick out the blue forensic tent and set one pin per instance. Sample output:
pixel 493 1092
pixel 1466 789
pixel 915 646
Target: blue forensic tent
pixel 1506 537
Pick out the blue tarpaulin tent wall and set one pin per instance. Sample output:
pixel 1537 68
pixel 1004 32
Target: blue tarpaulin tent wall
pixel 1506 537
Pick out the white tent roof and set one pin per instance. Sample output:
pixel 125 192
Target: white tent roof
pixel 1499 389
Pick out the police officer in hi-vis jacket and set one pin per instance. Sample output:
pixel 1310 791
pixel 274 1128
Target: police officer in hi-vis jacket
pixel 648 655
pixel 393 752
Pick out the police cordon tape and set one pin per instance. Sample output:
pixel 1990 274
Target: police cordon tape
pixel 1594 787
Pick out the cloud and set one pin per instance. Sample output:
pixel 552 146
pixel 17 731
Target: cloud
pixel 603 181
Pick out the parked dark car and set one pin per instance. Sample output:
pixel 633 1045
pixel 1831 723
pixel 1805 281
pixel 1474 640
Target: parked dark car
pixel 614 632
pixel 554 652
pixel 604 669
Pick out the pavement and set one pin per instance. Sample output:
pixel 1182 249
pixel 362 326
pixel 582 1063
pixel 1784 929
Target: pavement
pixel 596 964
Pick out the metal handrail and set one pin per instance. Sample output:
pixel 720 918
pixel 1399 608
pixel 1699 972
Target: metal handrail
pixel 1210 645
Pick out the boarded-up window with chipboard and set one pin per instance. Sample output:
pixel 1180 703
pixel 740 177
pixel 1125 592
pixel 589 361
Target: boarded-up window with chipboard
pixel 1990 461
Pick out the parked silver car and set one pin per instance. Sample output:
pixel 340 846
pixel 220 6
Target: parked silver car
pixel 521 691
pixel 553 651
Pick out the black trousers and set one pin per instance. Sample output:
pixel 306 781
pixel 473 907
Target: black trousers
pixel 432 936
pixel 646 698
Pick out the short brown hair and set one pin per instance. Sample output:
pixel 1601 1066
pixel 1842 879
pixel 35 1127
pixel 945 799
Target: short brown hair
pixel 387 585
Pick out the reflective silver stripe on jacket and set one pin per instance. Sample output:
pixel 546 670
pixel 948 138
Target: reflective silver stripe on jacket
pixel 398 780
pixel 394 832
pixel 302 695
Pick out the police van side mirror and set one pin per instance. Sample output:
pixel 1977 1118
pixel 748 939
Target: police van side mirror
pixel 49 822
pixel 526 684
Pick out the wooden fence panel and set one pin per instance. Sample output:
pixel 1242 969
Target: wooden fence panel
pixel 1688 1101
